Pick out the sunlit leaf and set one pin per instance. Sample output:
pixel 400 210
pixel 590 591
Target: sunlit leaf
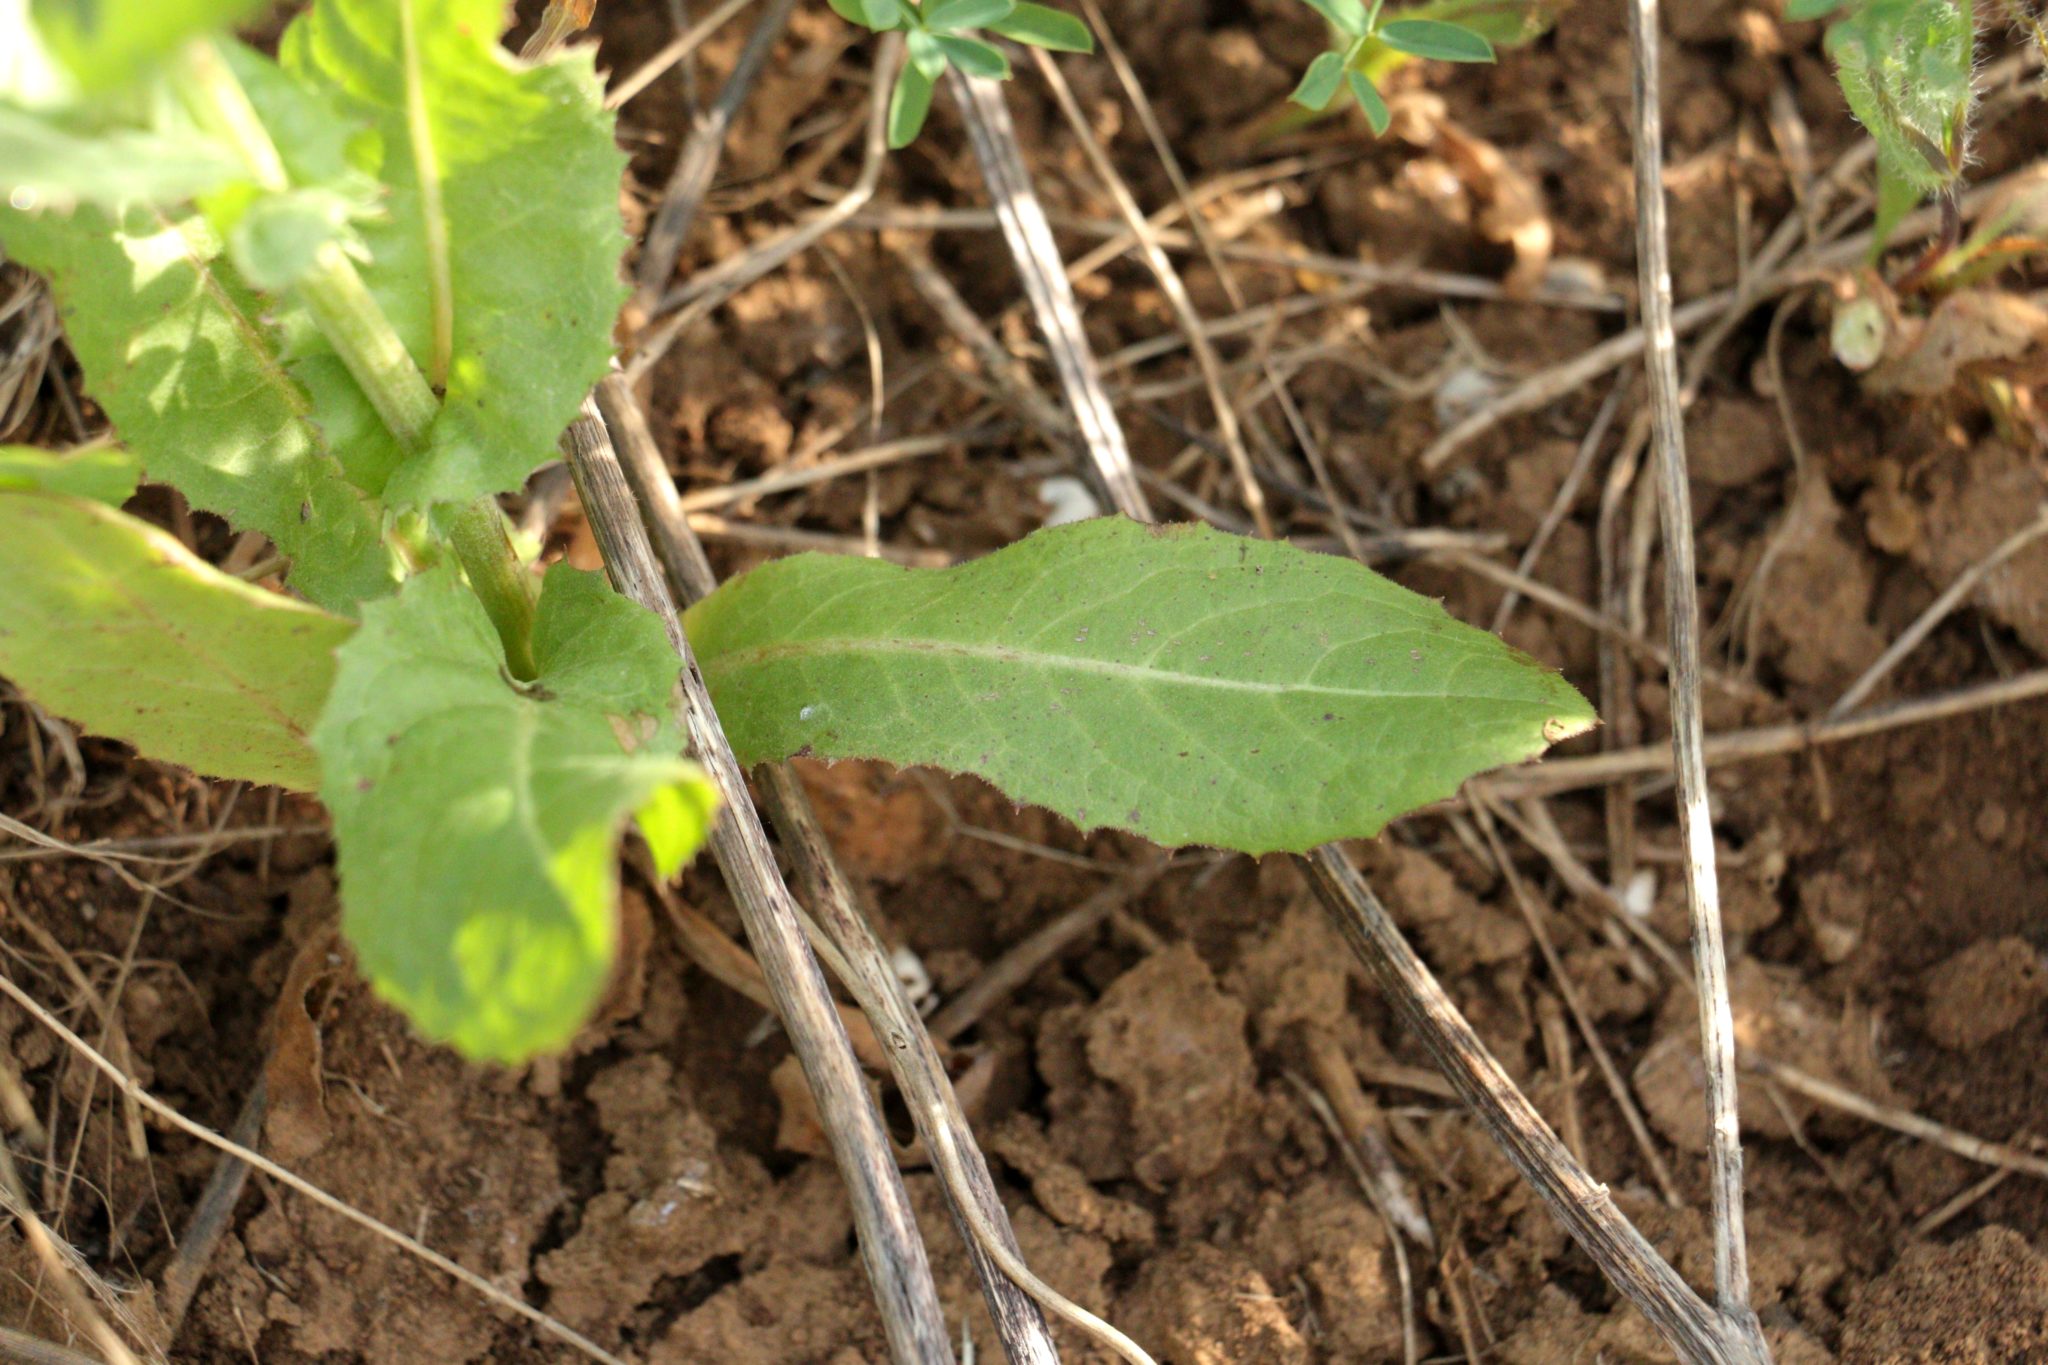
pixel 1191 686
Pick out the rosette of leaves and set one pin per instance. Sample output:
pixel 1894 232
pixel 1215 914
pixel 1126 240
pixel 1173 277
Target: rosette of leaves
pixel 1449 32
pixel 942 34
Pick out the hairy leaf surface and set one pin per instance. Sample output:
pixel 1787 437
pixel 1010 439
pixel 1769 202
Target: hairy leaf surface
pixel 109 622
pixel 1191 686
pixel 476 819
pixel 176 351
pixel 498 257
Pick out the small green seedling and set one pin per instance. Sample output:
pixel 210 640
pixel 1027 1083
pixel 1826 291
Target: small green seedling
pixel 1906 68
pixel 1366 37
pixel 939 34
pixel 344 297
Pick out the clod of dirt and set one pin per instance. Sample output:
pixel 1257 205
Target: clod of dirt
pixel 1458 933
pixel 1982 1301
pixel 1326 1237
pixel 1984 990
pixel 672 1200
pixel 1203 1306
pixel 1294 971
pixel 1974 501
pixel 1815 607
pixel 1062 1191
pixel 1733 442
pixel 881 824
pixel 1779 1019
pixel 1174 1044
pixel 1836 909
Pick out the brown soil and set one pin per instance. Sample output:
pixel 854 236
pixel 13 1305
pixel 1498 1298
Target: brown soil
pixel 1138 1097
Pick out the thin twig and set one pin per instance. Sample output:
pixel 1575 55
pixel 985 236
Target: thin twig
pixel 1024 226
pixel 697 163
pixel 412 1245
pixel 1688 729
pixel 1008 1286
pixel 1763 741
pixel 1170 284
pixel 1578 1201
pixel 211 1216
pixel 710 288
pixel 1898 1120
pixel 1938 610
pixel 675 50
pixel 899 1272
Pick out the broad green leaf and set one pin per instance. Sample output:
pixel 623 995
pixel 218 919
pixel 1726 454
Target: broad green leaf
pixel 498 260
pixel 105 44
pixel 958 16
pixel 276 241
pixel 925 54
pixel 1368 98
pixel 1504 23
pixel 1347 15
pixel 1796 10
pixel 1320 83
pixel 975 57
pixel 1435 40
pixel 879 15
pixel 1191 686
pixel 909 103
pixel 104 473
pixel 46 163
pixel 109 622
pixel 1906 68
pixel 1043 26
pixel 476 820
pixel 177 352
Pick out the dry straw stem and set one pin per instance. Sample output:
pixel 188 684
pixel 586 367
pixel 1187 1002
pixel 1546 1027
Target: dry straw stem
pixel 1024 226
pixel 899 1272
pixel 257 1161
pixel 1579 1202
pixel 709 288
pixel 1013 1293
pixel 1170 284
pixel 1763 741
pixel 1740 1335
pixel 698 162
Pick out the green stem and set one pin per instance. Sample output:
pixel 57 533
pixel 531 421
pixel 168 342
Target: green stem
pixel 478 534
pixel 354 323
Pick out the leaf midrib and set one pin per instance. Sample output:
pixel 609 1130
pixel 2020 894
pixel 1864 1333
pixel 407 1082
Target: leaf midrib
pixel 758 655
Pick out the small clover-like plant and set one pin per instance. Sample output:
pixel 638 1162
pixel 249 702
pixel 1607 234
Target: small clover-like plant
pixel 1365 32
pixel 941 34
pixel 345 296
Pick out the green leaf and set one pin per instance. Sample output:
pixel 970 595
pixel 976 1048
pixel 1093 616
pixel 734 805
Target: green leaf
pixel 879 15
pixel 106 44
pixel 1906 68
pixel 1191 686
pixel 103 473
pixel 1046 27
pixel 278 238
pixel 1797 10
pixel 974 57
pixel 47 163
pixel 476 820
pixel 1347 15
pixel 957 16
pixel 1434 40
pixel 176 351
pixel 1369 100
pixel 109 622
pixel 925 54
pixel 1319 84
pixel 498 258
pixel 1897 196
pixel 909 103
